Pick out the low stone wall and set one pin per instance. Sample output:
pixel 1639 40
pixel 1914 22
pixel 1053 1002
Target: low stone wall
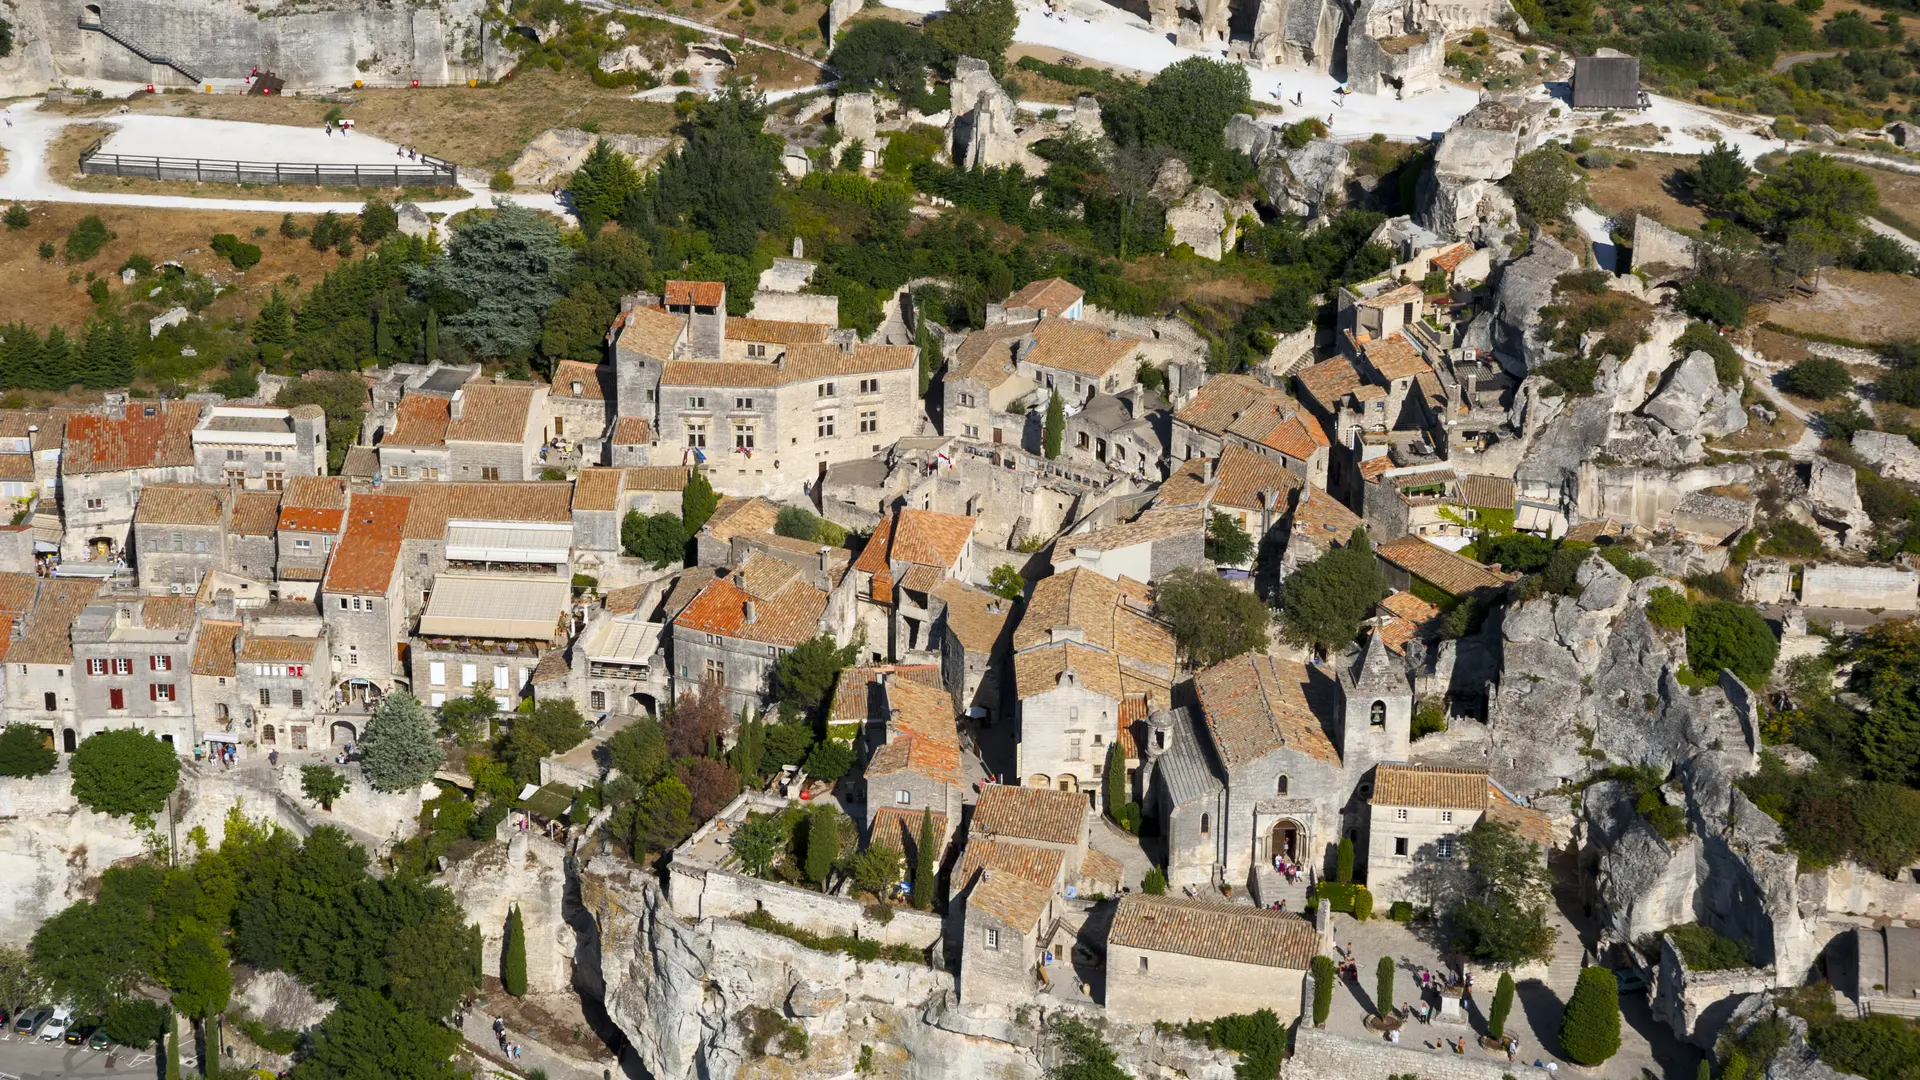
pixel 1318 1055
pixel 1696 1004
pixel 1871 588
pixel 705 894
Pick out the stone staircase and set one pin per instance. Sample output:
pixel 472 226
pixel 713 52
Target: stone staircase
pixel 1269 887
pixel 1569 956
pixel 173 62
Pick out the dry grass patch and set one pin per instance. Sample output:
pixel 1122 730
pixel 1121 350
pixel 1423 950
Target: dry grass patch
pixel 1645 189
pixel 1784 433
pixel 1856 306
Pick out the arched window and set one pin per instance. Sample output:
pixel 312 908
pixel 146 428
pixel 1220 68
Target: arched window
pixel 1377 715
pixel 1280 786
pixel 1206 824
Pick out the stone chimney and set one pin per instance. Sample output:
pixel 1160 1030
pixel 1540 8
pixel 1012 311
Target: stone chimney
pixel 747 612
pixel 459 400
pixel 826 566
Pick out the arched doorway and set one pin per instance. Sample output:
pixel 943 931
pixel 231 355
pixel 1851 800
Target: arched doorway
pixel 1039 779
pixel 1286 841
pixel 342 733
pixel 69 741
pixel 266 734
pixel 1067 782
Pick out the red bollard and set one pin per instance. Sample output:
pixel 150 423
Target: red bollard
pixel 416 84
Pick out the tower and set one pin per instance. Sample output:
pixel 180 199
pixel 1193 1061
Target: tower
pixel 1376 714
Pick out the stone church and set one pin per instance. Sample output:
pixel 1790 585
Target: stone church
pixel 1275 759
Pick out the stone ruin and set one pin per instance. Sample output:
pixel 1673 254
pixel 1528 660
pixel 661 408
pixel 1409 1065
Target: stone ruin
pixel 1461 197
pixel 1309 181
pixel 1394 45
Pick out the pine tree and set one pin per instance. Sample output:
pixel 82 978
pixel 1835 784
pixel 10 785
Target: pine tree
pixel 273 327
pixel 1590 1028
pixel 697 502
pixel 433 336
pixel 1383 986
pixel 1502 1005
pixel 823 843
pixel 1343 862
pixel 923 864
pixel 513 969
pixel 1056 425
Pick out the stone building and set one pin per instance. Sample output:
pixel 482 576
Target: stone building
pixel 1090 663
pixel 131 658
pixel 1117 430
pixel 1171 959
pixel 737 627
pixel 39 680
pixel 1024 847
pixel 970 625
pixel 213 675
pixel 402 381
pixel 109 455
pixel 252 531
pixel 1240 410
pixel 1415 564
pixel 1047 298
pixel 619 662
pixel 490 628
pixel 283 688
pixel 896 573
pixel 1159 541
pixel 361 600
pixel 581 403
pixel 312 519
pixel 602 498
pixel 259 448
pixel 1253 490
pixel 1416 816
pixel 414 446
pixel 916 768
pixel 497 431
pixel 180 535
pixel 519 527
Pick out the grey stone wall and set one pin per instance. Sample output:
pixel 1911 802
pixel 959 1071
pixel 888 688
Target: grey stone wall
pixel 176 555
pixel 1144 986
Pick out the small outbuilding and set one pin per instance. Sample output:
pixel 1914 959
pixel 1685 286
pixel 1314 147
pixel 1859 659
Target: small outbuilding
pixel 1608 82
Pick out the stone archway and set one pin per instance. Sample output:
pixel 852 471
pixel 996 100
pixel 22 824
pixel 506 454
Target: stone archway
pixel 1067 782
pixel 266 734
pixel 1039 780
pixel 341 733
pixel 1286 840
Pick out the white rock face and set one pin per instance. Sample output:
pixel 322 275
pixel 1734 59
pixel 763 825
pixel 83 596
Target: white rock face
pixel 1308 181
pixel 1893 455
pixel 1200 222
pixel 1656 247
pixel 1833 490
pixel 1526 286
pixel 413 220
pixel 49 847
pixel 627 58
pixel 1694 403
pixel 555 153
pixel 528 870
pixel 856 117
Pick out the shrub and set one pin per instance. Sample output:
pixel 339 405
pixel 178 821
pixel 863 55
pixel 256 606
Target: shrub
pixel 1705 950
pixel 17 217
pixel 26 751
pixel 1590 1027
pixel 1343 862
pixel 501 180
pixel 1817 377
pixel 1502 1005
pixel 1793 540
pixel 1430 718
pixel 1727 363
pixel 1710 300
pixel 1383 986
pixel 1323 980
pixel 1155 882
pixel 1724 635
pixel 513 966
pixel 322 784
pixel 1669 609
pixel 86 238
pixel 1401 911
pixel 1362 904
pixel 242 255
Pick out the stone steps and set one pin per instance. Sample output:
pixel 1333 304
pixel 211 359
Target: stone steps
pixel 1269 887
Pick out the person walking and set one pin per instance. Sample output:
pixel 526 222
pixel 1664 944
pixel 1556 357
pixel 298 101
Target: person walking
pixel 273 757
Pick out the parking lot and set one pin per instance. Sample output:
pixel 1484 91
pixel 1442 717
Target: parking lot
pixel 31 1059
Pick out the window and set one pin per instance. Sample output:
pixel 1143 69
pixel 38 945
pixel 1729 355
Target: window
pixel 436 700
pixel 353 656
pixel 1400 846
pixel 1443 847
pixel 869 386
pixel 123 665
pixel 160 691
pixel 1098 739
pixel 343 600
pixel 823 426
pixel 116 698
pixel 1446 816
pixel 903 797
pixel 276 481
pixel 179 543
pixel 397 472
pixel 1399 815
pixel 1086 441
pixel 825 389
pixel 869 422
pixel 597 700
pixel 756 350
pixel 971 431
pixel 991 938
pixel 743 403
pixel 1280 785
pixel 303 546
pixel 160 663
pixel 1377 715
pixel 1143 963
pixel 696 402
pixel 299 699
pixel 697 435
pixel 200 546
pixel 437 673
pixel 1206 824
pixel 469 674
pixel 266 696
pixel 499 676
pixel 489 472
pixel 966 401
pixel 96 504
pixel 743 438
pixel 50 704
pixel 276 455
pixel 96 667
pixel 1073 748
pixel 236 455
pixel 715 669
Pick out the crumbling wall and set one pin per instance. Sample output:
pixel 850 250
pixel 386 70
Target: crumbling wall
pixel 707 893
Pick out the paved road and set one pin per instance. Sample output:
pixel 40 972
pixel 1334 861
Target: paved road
pixel 35 1060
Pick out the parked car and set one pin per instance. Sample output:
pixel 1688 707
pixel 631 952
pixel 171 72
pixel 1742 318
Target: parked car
pixel 56 1026
pixel 78 1034
pixel 31 1019
pixel 99 1040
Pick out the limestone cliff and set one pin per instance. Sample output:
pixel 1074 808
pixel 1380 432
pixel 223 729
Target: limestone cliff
pixel 680 990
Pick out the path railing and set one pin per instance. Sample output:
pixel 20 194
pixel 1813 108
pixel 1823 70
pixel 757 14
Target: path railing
pixel 174 62
pixel 427 172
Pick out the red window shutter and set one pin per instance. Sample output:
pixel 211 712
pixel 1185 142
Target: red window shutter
pixel 153 691
pixel 117 698
pixel 153 663
pixel 169 691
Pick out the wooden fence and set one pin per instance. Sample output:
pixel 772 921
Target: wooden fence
pixel 427 172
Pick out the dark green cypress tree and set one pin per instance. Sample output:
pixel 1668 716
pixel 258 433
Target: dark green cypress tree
pixel 1590 1028
pixel 823 843
pixel 433 336
pixel 513 968
pixel 924 867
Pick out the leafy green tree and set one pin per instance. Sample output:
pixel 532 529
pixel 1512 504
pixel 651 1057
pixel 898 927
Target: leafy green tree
pixel 196 971
pixel 1590 1028
pixel 804 678
pixel 1724 635
pixel 1154 883
pixel 1343 861
pixel 874 870
pixel 1227 543
pixel 467 719
pixel 1114 781
pixel 1813 193
pixel 96 952
pixel 725 180
pixel 124 771
pixel 20 981
pixel 378 221
pixel 136 1022
pixel 1721 304
pixel 982 29
pixel 1502 1006
pixel 1817 377
pixel 829 760
pixel 756 842
pixel 1383 986
pixel 658 819
pixel 322 784
pixel 340 395
pixel 1323 603
pixel 1877 254
pixel 1210 619
pixel 823 842
pixel 786 744
pixel 513 966
pixel 1056 426
pixel 503 273
pixel 1323 979
pixel 1006 582
pixel 367 1037
pixel 25 751
pixel 1501 914
pixel 1719 175
pixel 639 750
pixel 797 523
pixel 1545 184
pixel 924 867
pixel 877 53
pixel 1669 609
pixel 1182 112
pixel 599 188
pixel 660 539
pixel 697 502
pixel 398 750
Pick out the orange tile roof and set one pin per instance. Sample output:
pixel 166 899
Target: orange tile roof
pixel 367 555
pixel 213 648
pixel 1030 813
pixel 929 537
pixel 1590 531
pixel 776 331
pixel 921 738
pixel 1012 899
pixel 1051 295
pixel 494 413
pixel 800 363
pixel 47 636
pixel 148 434
pixel 1484 492
pixel 1292 432
pixel 650 332
pixel 1526 822
pixel 167 612
pixel 302 519
pixel 255 513
pixel 1396 358
pixel 856 693
pixel 1235 933
pixel 594 380
pixel 1081 347
pixel 281 650
pixel 1317 514
pixel 1253 705
pixel 1451 258
pixel 1157 523
pixel 976 618
pixel 1247 478
pixel 316 492
pixel 180 504
pixel 16 592
pixel 986 355
pixel 421 420
pixel 632 431
pixel 741 517
pixel 788 617
pixel 1188 485
pixel 1040 865
pixel 1223 398
pixel 1444 569
pixel 696 293
pixel 898 827
pixel 596 488
pixel 1329 380
pixel 1417 785
pixel 431 505
pixel 1371 468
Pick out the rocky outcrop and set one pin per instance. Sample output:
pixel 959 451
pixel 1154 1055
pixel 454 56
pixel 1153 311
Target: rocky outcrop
pixel 1659 250
pixel 413 220
pixel 679 991
pixel 528 871
pixel 1459 196
pixel 1833 492
pixel 1693 403
pixel 1526 286
pixel 1394 48
pixel 983 133
pixel 555 153
pixel 1309 181
pixel 1207 222
pixel 1891 455
pixel 856 116
pixel 1085 122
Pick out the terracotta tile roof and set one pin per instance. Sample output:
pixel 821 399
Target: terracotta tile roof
pixel 776 331
pixel 495 413
pixel 624 600
pixel 763 577
pixel 596 488
pixel 1159 523
pixel 788 617
pixel 1414 785
pixel 1322 518
pixel 651 332
pixel 1223 398
pixel 740 517
pixel 1399 295
pixel 1527 822
pixel 929 537
pixel 1235 933
pixel 255 513
pixel 1371 468
pixel 921 578
pixel 368 553
pixel 316 492
pixel 132 440
pixel 801 363
pixel 1406 616
pixel 1396 358
pixel 281 650
pixel 16 466
pixel 1012 899
pixel 1051 295
pixel 167 612
pixel 431 505
pixel 1101 869
pixel 1246 477
pixel 1188 486
pixel 180 504
pixel 873 560
pixel 1329 380
pixel 1291 431
pixel 1072 345
pixel 921 738
pixel 632 431
pixel 857 694
pixel 213 649
pixel 1095 605
pixel 49 426
pixel 596 380
pixel 361 463
pixel 16 592
pixel 1030 813
pixel 1484 492
pixel 1253 705
pixel 687 585
pixel 1452 573
pixel 48 634
pixel 1040 865
pixel 658 477
pixel 696 293
pixel 976 617
pixel 986 356
pixel 1588 531
pixel 420 420
pixel 551 668
pixel 898 828
pixel 300 519
pixel 1451 258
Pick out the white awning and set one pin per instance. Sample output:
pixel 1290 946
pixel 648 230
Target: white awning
pixel 220 736
pixel 525 542
pixel 626 642
pixel 495 606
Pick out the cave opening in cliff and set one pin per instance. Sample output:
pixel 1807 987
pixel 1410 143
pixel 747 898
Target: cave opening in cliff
pixel 90 15
pixel 1242 15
